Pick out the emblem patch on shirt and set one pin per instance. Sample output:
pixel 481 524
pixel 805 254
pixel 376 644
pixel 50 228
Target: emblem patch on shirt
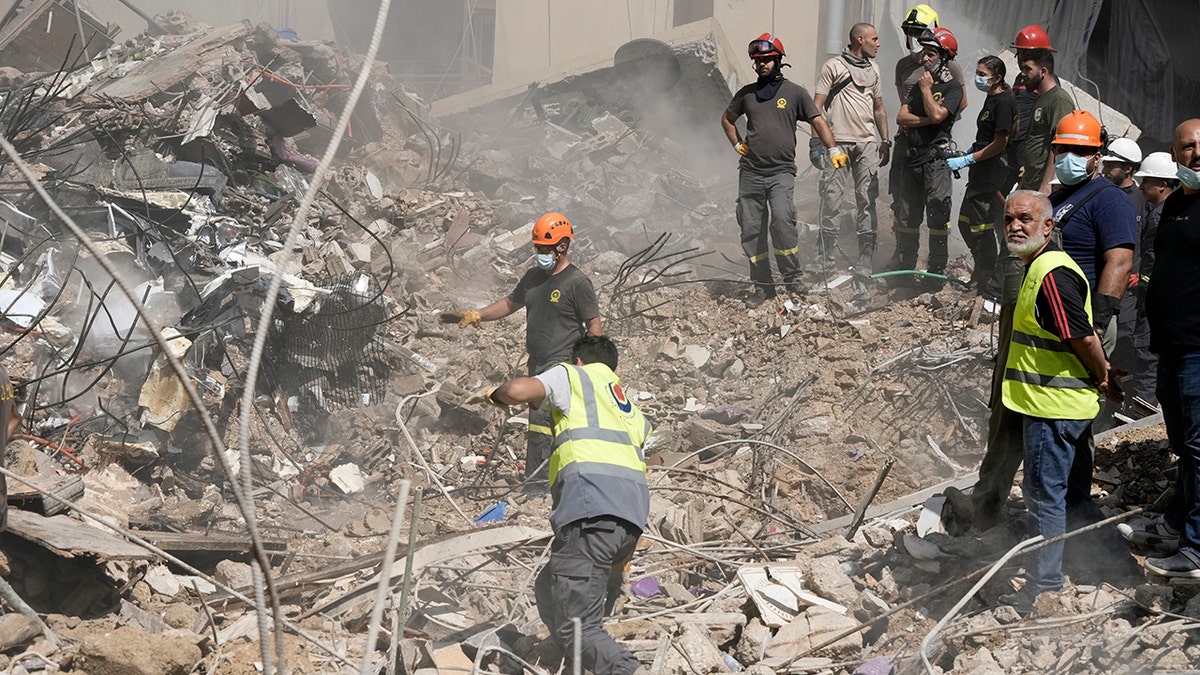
pixel 1037 115
pixel 938 96
pixel 618 394
pixel 555 295
pixel 986 115
pixel 781 103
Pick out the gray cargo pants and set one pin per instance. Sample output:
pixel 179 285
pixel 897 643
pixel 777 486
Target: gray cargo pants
pixel 765 207
pixel 864 170
pixel 584 556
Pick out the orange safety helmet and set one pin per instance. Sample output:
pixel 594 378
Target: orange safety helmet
pixel 551 229
pixel 1032 37
pixel 1078 127
pixel 765 45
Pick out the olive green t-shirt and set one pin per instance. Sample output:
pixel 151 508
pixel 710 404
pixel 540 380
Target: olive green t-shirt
pixel 1048 109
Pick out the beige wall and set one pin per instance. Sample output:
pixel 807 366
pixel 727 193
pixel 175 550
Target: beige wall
pixel 536 37
pixel 309 18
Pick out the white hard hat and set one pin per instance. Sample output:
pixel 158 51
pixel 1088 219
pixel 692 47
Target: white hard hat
pixel 1123 150
pixel 1157 165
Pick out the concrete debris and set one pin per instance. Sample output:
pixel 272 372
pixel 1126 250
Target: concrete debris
pixel 185 154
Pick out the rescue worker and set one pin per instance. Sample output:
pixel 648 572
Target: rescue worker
pixel 925 120
pixel 1097 222
pixel 1157 176
pixel 909 69
pixel 1054 374
pixel 1052 104
pixel 1121 160
pixel 850 91
pixel 767 168
pixel 987 158
pixel 561 307
pixel 600 499
pixel 1173 308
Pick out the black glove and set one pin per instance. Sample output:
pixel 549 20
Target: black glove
pixel 1104 308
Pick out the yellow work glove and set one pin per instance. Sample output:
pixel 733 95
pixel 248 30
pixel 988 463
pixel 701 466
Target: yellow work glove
pixel 741 148
pixel 470 317
pixel 838 157
pixel 485 396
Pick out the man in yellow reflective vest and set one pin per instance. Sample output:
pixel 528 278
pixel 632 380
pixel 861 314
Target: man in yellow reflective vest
pixel 1053 378
pixel 599 492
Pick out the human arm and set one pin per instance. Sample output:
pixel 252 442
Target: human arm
pixel 881 125
pixel 519 391
pixel 499 309
pixel 1091 354
pixel 729 126
pixel 593 326
pixel 995 147
pixel 935 111
pixel 1061 311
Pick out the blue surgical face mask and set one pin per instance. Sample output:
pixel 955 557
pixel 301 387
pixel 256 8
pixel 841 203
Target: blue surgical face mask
pixel 545 261
pixel 1187 176
pixel 1070 168
pixel 981 83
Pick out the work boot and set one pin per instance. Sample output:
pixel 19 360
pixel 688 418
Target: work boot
pixel 796 288
pixel 758 296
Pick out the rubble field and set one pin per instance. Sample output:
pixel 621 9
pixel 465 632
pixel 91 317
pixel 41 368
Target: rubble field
pixel 800 447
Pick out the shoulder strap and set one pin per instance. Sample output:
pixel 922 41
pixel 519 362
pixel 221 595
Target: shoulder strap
pixel 1069 207
pixel 833 91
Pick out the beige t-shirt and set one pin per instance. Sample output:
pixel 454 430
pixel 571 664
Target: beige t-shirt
pixel 852 115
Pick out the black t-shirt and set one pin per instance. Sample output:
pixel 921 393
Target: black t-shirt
pixel 999 114
pixel 1024 98
pixel 946 94
pixel 556 307
pixel 1060 306
pixel 1173 295
pixel 771 126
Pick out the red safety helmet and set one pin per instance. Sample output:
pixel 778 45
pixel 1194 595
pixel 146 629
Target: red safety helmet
pixel 551 229
pixel 940 38
pixel 765 45
pixel 1032 37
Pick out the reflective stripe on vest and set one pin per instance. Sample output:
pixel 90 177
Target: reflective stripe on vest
pixel 603 432
pixel 1043 377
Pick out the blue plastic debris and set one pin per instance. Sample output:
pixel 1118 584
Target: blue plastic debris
pixel 492 515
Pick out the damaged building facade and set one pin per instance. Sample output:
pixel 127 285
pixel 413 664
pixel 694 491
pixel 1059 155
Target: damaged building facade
pixel 796 523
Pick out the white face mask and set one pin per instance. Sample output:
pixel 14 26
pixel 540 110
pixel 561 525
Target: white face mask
pixel 545 261
pixel 981 83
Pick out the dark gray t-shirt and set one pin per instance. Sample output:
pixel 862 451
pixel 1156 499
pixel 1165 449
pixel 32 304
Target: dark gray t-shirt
pixel 909 70
pixel 771 126
pixel 556 306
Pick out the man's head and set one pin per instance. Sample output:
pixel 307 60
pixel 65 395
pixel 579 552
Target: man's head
pixel 1120 161
pixel 552 235
pixel 595 349
pixel 766 51
pixel 864 40
pixel 1077 143
pixel 1185 150
pixel 939 46
pixel 1037 66
pixel 1157 176
pixel 1028 220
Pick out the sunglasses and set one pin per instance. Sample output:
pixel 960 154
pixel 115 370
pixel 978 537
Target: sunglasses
pixel 1081 150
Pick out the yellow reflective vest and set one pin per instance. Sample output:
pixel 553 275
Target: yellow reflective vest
pixel 1043 377
pixel 597 467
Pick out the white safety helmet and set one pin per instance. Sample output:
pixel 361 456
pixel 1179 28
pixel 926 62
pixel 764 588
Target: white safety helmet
pixel 1122 150
pixel 1157 165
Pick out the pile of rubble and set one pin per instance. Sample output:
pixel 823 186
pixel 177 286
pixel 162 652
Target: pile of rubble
pixel 795 442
